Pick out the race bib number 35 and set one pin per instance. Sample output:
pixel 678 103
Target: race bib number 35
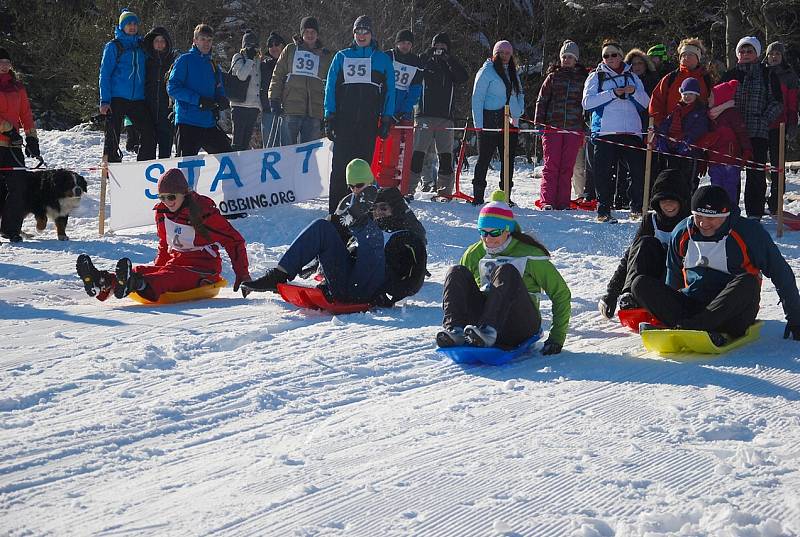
pixel 305 63
pixel 403 75
pixel 357 70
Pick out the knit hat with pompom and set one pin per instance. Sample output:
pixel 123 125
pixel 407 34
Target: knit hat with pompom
pixel 497 214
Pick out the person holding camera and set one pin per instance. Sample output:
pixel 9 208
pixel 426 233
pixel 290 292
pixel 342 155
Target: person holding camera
pixel 244 113
pixel 195 84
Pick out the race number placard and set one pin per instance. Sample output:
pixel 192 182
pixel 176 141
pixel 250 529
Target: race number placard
pixel 305 63
pixel 357 70
pixel 403 75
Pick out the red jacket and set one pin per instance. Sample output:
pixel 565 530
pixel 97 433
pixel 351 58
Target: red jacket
pixel 729 137
pixel 15 109
pixel 179 244
pixel 789 89
pixel 666 96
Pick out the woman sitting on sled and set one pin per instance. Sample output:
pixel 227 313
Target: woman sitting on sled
pixel 492 297
pixel 190 232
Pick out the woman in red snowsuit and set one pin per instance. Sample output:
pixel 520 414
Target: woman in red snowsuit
pixel 191 231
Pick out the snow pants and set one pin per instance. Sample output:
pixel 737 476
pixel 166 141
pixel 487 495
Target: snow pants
pixel 139 114
pixel 432 132
pixel 605 156
pixel 352 141
pixel 646 257
pixel 506 307
pixel 191 139
pixel 173 278
pixel 731 311
pixel 244 119
pixel 755 185
pixel 560 151
pixel 728 177
pixel 13 191
pixel 349 279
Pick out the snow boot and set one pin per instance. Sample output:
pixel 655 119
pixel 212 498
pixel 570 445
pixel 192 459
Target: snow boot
pixel 484 336
pixel 453 337
pixel 267 282
pixel 96 283
pixel 128 281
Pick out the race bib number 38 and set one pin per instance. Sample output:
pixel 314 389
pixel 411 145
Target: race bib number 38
pixel 403 75
pixel 357 70
pixel 305 63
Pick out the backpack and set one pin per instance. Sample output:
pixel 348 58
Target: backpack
pixel 674 74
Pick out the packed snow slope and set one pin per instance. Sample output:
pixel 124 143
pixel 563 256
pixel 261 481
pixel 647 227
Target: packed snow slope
pixel 252 417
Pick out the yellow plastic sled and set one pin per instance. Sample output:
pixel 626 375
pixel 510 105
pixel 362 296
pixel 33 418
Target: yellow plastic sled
pixel 694 341
pixel 206 291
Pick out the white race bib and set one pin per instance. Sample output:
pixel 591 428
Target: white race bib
pixel 357 70
pixel 403 75
pixel 487 266
pixel 713 255
pixel 180 237
pixel 305 63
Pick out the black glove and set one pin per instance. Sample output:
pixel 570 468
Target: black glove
pixel 14 139
pixel 249 53
pixel 386 125
pixel 32 147
pixel 551 347
pixel 792 330
pixel 207 103
pixel 607 306
pixel 383 301
pixel 276 107
pixel 222 103
pixel 329 127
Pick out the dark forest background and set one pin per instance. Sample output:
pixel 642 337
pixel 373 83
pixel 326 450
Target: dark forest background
pixel 56 44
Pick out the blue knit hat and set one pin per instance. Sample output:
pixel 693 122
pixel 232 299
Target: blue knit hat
pixel 690 85
pixel 127 17
pixel 497 214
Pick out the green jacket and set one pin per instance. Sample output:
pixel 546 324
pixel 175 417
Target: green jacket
pixel 300 95
pixel 540 275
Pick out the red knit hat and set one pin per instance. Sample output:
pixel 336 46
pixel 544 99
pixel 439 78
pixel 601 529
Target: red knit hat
pixel 724 92
pixel 173 182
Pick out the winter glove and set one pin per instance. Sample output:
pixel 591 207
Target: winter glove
pixel 14 139
pixel 551 347
pixel 222 103
pixel 386 125
pixel 276 107
pixel 239 280
pixel 32 147
pixel 792 330
pixel 207 103
pixel 607 306
pixel 329 127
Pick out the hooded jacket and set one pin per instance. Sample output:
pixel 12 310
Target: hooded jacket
pixel 122 75
pixel 559 100
pixel 15 108
pixel 694 125
pixel 358 100
pixel 440 74
pixel 243 67
pixel 300 94
pixel 157 73
pixel 489 93
pixel 194 75
pixel 612 114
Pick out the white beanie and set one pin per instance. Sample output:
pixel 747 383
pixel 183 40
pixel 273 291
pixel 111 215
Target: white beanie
pixel 752 41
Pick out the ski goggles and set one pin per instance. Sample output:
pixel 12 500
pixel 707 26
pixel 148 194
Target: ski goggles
pixel 491 232
pixel 167 197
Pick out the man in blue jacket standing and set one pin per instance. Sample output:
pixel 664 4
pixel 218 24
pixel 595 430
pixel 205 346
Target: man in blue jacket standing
pixel 358 92
pixel 715 264
pixel 122 76
pixel 196 86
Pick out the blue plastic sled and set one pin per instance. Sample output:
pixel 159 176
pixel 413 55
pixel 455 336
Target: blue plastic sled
pixel 488 355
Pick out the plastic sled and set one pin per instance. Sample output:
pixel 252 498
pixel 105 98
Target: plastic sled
pixel 313 298
pixel 631 318
pixel 391 160
pixel 488 355
pixel 668 341
pixel 791 221
pixel 206 291
pixel 574 205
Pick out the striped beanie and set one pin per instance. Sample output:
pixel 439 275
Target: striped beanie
pixel 127 17
pixel 497 214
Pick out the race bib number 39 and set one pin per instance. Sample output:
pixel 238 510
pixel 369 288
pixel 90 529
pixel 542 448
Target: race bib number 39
pixel 403 75
pixel 357 70
pixel 305 63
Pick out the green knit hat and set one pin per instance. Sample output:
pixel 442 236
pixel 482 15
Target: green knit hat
pixel 358 172
pixel 659 50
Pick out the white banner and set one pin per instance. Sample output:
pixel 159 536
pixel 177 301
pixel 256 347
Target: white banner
pixel 240 182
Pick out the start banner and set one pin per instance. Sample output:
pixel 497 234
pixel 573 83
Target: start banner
pixel 239 182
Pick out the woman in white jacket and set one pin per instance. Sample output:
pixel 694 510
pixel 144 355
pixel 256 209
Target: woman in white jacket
pixel 615 96
pixel 244 114
pixel 496 85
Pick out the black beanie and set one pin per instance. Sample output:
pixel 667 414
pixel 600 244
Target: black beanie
pixel 4 55
pixel 249 39
pixel 669 185
pixel 362 23
pixel 441 38
pixel 275 39
pixel 404 35
pixel 711 200
pixel 309 22
pixel 390 195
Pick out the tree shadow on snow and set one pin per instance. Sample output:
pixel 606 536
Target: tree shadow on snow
pixel 25 311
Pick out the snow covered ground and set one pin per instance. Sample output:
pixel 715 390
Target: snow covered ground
pixel 251 417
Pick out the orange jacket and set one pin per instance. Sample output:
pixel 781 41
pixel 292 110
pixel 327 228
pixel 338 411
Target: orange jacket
pixel 666 95
pixel 15 109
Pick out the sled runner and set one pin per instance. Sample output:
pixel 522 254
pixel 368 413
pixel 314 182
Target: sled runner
pixel 631 318
pixel 667 341
pixel 313 298
pixel 206 291
pixel 488 355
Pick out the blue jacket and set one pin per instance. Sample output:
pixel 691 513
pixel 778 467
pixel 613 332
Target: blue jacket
pixel 123 76
pixel 489 93
pixel 194 75
pixel 612 114
pixel 361 102
pixel 405 100
pixel 748 248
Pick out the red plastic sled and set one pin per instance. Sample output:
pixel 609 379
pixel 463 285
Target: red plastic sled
pixel 791 221
pixel 576 205
pixel 313 298
pixel 632 317
pixel 391 160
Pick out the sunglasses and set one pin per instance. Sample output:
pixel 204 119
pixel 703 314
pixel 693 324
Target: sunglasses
pixel 167 197
pixel 612 55
pixel 491 232
pixel 357 185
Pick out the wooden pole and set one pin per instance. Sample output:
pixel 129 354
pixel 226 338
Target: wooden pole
pixel 648 164
pixel 103 182
pixel 781 175
pixel 506 124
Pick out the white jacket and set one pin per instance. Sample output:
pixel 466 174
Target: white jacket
pixel 611 114
pixel 241 67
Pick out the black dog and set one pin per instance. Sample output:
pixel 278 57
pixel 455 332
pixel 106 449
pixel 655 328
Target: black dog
pixel 53 194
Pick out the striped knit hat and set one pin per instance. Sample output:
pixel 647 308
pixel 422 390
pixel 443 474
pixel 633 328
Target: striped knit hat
pixel 127 17
pixel 497 214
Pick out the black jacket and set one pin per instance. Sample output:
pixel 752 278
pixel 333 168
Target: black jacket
pixel 157 69
pixel 441 73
